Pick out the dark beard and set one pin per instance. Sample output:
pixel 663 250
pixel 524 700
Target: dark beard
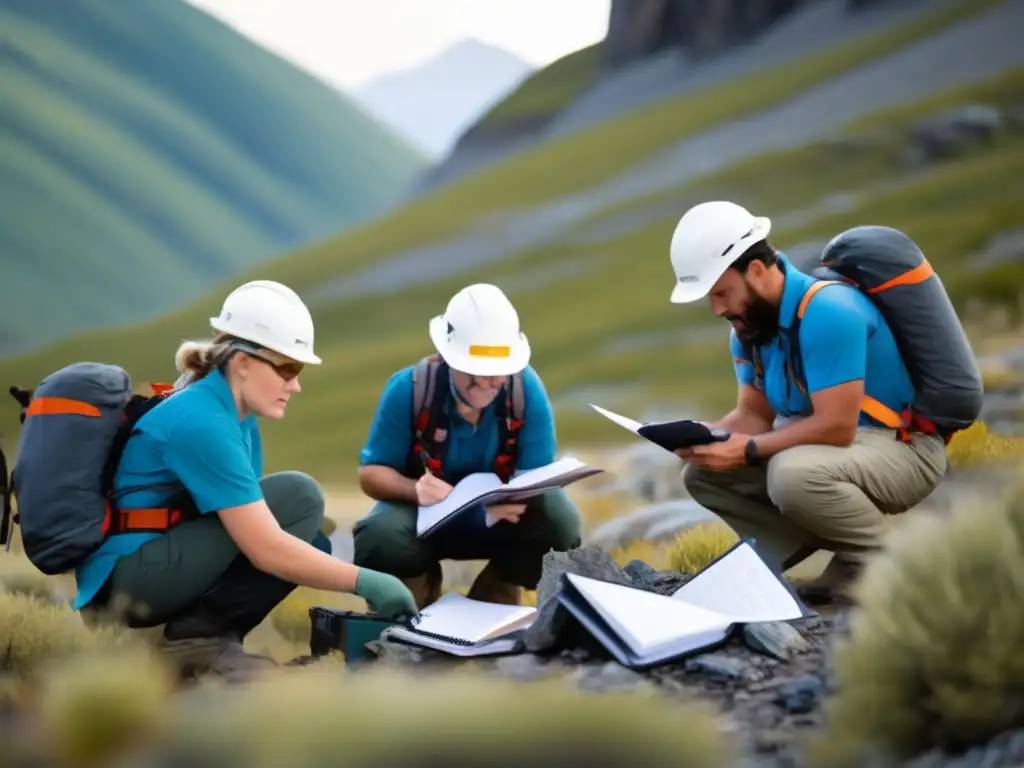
pixel 760 322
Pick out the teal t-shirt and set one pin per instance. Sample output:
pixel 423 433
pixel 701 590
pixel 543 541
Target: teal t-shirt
pixel 195 438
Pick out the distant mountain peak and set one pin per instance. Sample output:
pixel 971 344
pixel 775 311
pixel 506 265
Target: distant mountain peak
pixel 433 102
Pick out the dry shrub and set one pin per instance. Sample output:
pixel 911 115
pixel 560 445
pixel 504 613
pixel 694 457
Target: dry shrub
pixel 936 653
pixel 316 718
pixel 97 707
pixel 978 444
pixel 18 576
pixel 655 554
pixel 697 547
pixel 34 632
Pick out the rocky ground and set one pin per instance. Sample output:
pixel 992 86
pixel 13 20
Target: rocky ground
pixel 768 681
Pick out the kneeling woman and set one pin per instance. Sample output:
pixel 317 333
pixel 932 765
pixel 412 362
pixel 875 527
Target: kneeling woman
pixel 251 541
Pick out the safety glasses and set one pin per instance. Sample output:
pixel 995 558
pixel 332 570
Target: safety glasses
pixel 287 371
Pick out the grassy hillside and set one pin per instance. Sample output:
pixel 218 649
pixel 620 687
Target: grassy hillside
pixel 546 92
pixel 576 162
pixel 608 333
pixel 147 150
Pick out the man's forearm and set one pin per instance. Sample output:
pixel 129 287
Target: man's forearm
pixel 382 483
pixel 812 430
pixel 743 423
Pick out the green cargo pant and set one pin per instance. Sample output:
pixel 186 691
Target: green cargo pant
pixel 195 580
pixel 813 497
pixel 386 540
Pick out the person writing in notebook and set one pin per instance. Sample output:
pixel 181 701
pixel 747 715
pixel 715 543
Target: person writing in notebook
pixel 475 406
pixel 804 468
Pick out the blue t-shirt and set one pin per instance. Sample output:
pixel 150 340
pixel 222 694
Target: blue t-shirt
pixel 195 438
pixel 471 448
pixel 843 337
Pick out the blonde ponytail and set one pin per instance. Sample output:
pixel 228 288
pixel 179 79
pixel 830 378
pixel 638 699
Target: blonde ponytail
pixel 195 359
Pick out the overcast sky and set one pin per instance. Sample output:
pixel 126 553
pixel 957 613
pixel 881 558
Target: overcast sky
pixel 348 42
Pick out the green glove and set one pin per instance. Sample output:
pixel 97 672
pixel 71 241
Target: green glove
pixel 386 595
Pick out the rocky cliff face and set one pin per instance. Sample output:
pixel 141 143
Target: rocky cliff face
pixel 640 28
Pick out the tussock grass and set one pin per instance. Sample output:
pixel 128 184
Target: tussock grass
pixel 701 545
pixel 979 444
pixel 19 577
pixel 314 719
pixel 935 654
pixel 655 554
pixel 35 632
pixel 97 707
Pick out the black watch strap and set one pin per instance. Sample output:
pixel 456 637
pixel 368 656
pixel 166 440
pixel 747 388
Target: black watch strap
pixel 751 453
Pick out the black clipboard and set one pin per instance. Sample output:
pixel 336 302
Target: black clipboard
pixel 670 435
pixel 673 435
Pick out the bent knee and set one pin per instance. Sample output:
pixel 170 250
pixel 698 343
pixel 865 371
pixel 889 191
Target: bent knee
pixel 791 475
pixel 697 481
pixel 563 524
pixel 296 501
pixel 386 540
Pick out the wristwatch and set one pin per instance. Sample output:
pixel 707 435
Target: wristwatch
pixel 751 453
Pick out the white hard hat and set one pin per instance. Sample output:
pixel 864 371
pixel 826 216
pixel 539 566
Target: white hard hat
pixel 479 333
pixel 269 314
pixel 707 240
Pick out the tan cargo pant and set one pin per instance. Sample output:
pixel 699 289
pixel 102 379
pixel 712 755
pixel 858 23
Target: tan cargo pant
pixel 813 497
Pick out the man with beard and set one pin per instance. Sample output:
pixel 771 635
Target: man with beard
pixel 805 467
pixel 475 406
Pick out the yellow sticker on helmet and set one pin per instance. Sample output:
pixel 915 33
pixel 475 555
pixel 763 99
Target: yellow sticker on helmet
pixel 477 350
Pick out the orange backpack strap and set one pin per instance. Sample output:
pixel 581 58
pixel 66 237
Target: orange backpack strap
pixel 869 405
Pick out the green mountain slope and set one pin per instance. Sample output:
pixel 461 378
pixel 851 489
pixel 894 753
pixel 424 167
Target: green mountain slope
pixel 597 310
pixel 147 151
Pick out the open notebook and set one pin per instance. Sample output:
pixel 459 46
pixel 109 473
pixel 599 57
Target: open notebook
pixel 642 629
pixel 487 488
pixel 670 435
pixel 463 627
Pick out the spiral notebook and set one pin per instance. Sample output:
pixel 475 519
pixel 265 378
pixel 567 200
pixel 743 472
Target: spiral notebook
pixel 459 626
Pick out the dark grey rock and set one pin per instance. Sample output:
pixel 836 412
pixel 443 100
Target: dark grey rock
pixel 800 695
pixel 609 676
pixel 1004 750
pixel 774 638
pixel 548 627
pixel 638 570
pixel 554 626
pixel 662 582
pixel 592 562
pixel 526 667
pixel 717 665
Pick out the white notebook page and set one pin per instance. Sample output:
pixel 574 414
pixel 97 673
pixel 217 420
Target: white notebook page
pixel 647 620
pixel 469 488
pixel 548 472
pixel 454 615
pixel 741 586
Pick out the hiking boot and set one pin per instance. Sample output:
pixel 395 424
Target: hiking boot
pixel 489 588
pixel 835 583
pixel 426 588
pixel 221 656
